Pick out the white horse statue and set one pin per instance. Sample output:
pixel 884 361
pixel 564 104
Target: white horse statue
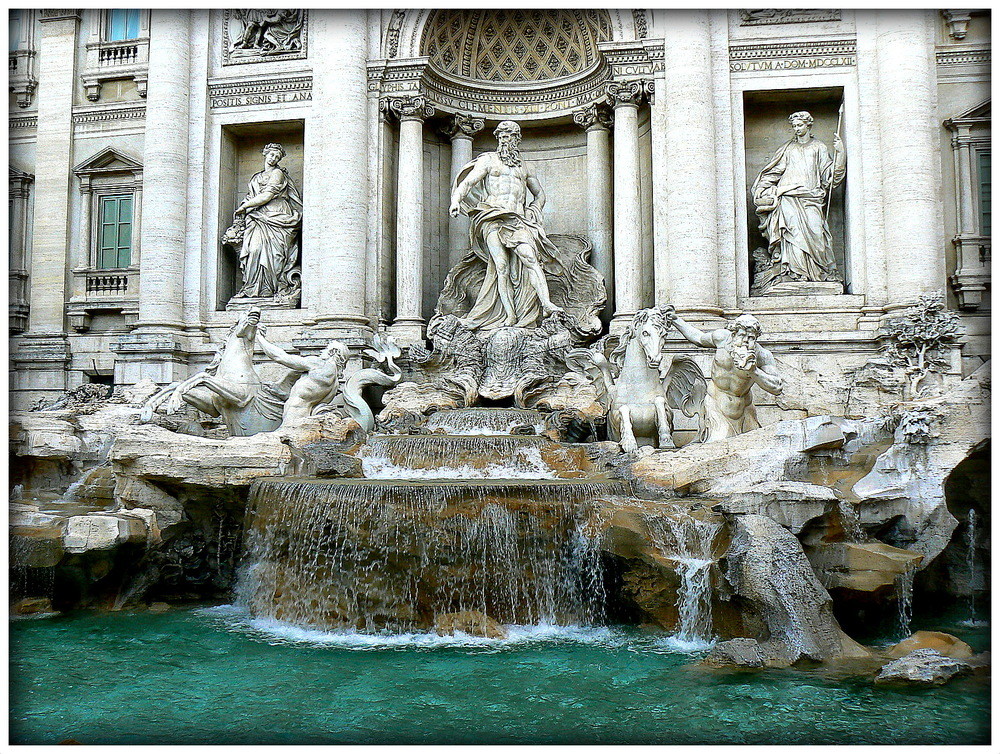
pixel 639 388
pixel 229 387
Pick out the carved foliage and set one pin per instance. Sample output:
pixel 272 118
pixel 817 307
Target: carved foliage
pixel 593 116
pixel 918 340
pixel 461 124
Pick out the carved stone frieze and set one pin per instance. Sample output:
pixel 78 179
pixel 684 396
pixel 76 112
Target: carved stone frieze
pixel 788 56
pixel 787 16
pixel 392 35
pixel 268 90
pixel 641 27
pixel 258 34
pixel 964 56
pixel 593 116
pixel 462 125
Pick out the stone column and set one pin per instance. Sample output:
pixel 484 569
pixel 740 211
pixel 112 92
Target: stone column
pixel 686 266
pixel 409 324
pixel 335 183
pixel 597 120
pixel 460 129
pixel 54 145
pixel 40 358
pixel 165 173
pixel 911 170
pixel 626 97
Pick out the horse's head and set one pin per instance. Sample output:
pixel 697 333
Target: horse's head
pixel 246 326
pixel 649 328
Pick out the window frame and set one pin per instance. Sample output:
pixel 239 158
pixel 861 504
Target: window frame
pixel 107 29
pixel 102 200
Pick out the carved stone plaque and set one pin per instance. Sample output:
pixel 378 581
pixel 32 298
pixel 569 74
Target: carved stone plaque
pixel 257 35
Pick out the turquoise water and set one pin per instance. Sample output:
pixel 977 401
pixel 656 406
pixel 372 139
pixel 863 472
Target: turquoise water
pixel 210 675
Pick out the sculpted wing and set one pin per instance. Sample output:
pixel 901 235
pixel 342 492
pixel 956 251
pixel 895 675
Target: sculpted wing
pixel 686 385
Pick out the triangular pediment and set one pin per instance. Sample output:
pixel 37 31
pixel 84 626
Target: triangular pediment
pixel 980 114
pixel 108 160
pixel 18 175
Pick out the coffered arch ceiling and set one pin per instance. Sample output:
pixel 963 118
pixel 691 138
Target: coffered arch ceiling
pixel 514 45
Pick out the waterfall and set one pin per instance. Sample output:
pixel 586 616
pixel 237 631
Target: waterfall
pixel 972 566
pixel 485 421
pixel 850 522
pixel 689 542
pixel 461 457
pixel 904 600
pixel 377 555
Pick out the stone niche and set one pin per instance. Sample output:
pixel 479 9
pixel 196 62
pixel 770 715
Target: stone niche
pixel 766 128
pixel 240 159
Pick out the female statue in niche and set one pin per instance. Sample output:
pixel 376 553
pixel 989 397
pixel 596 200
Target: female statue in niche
pixel 791 195
pixel 265 232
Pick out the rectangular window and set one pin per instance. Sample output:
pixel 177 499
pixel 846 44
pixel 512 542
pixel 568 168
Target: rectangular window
pixel 122 24
pixel 984 193
pixel 114 238
pixel 15 30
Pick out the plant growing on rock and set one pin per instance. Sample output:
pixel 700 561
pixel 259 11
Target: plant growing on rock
pixel 918 340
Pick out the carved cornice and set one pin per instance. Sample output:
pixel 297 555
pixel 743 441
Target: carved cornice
pixel 784 56
pixel 269 90
pixel 22 122
pixel 628 93
pixel 594 116
pixel 633 59
pixel 977 56
pixel 109 114
pixel 528 101
pixel 461 125
pixel 410 108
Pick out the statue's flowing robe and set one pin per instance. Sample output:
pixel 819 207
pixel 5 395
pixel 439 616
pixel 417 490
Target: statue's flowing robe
pixel 513 228
pixel 798 178
pixel 270 249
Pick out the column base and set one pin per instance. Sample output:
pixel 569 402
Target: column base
pixel 39 368
pixel 340 327
pixel 158 355
pixel 407 331
pixel 620 322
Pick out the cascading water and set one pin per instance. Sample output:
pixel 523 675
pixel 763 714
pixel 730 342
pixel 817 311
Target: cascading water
pixel 904 600
pixel 850 522
pixel 972 567
pixel 688 541
pixel 484 421
pixel 464 457
pixel 378 555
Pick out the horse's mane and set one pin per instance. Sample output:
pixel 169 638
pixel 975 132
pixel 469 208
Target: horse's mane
pixel 617 356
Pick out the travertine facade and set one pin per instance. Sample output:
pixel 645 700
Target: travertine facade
pixel 133 139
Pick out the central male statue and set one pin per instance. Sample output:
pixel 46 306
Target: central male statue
pixel 506 233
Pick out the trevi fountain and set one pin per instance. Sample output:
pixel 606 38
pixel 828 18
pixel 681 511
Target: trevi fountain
pixel 572 504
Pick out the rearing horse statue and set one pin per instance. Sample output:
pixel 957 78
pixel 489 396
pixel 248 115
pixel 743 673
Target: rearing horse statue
pixel 638 387
pixel 230 386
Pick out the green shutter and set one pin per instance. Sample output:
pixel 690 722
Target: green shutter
pixel 984 193
pixel 114 246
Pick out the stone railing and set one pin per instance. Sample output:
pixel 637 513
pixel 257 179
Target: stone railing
pixel 103 291
pixel 107 61
pixel 125 53
pixel 107 284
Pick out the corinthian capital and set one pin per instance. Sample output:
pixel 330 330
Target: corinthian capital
pixel 462 125
pixel 410 108
pixel 631 93
pixel 593 116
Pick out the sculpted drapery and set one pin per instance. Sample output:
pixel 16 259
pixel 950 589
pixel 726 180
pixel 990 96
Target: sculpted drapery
pixel 273 217
pixel 790 195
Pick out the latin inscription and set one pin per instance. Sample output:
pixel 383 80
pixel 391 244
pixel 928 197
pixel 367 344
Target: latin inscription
pixel 260 98
pixel 791 64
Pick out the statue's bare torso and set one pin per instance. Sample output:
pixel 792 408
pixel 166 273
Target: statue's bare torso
pixel 506 186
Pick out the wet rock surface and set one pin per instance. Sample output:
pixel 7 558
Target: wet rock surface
pixel 922 667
